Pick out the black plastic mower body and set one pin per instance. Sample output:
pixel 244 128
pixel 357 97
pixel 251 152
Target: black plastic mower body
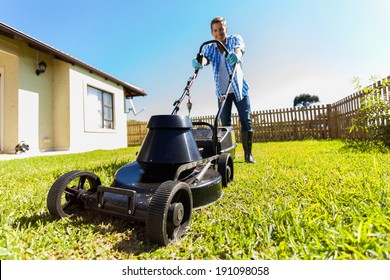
pixel 129 196
pixel 172 150
pixel 178 168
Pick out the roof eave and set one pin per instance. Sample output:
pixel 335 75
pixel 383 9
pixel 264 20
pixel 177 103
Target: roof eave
pixel 5 30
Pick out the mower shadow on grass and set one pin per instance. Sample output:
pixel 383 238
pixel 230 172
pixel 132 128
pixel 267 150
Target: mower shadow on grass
pixel 134 243
pixel 33 221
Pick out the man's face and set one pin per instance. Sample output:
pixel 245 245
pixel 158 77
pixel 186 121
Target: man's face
pixel 218 30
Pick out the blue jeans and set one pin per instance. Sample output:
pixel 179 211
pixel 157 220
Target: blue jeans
pixel 244 112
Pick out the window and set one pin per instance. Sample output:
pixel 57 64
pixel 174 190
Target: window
pixel 99 109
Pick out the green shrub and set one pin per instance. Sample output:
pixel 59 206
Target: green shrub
pixel 373 116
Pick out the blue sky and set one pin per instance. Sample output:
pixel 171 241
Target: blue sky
pixel 292 47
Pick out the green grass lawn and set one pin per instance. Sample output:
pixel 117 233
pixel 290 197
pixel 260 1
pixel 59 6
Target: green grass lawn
pixel 301 200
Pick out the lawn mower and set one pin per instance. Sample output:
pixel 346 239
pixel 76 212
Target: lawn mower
pixel 181 166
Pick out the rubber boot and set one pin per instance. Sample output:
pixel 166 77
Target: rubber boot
pixel 246 139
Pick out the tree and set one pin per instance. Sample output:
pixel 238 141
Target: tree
pixel 305 100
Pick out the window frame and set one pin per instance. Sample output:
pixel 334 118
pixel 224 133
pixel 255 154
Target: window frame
pixel 104 106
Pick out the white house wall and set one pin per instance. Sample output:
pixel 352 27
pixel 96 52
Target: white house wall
pixel 47 111
pixel 35 104
pixel 61 106
pixel 9 62
pixel 29 119
pixel 27 98
pixel 82 139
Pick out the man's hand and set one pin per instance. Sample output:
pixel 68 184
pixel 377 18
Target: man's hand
pixel 199 61
pixel 196 64
pixel 232 58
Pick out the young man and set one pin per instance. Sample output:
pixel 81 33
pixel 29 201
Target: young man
pixel 238 92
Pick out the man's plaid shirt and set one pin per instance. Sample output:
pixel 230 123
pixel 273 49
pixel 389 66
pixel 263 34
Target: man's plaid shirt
pixel 239 84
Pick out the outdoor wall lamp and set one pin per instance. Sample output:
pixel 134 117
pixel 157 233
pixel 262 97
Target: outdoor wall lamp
pixel 41 68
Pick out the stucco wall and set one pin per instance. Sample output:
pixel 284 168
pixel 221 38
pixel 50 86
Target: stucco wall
pixel 9 62
pixel 37 93
pixel 61 106
pixel 82 140
pixel 53 103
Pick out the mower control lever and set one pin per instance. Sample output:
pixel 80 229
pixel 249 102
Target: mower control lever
pixel 186 92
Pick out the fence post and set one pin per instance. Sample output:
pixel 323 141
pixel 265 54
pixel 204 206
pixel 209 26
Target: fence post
pixel 331 122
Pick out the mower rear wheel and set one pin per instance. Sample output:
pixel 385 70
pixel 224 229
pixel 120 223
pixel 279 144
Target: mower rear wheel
pixel 226 169
pixel 169 214
pixel 68 193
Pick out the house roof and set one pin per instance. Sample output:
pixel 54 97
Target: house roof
pixel 12 33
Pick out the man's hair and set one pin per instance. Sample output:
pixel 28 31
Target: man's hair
pixel 218 20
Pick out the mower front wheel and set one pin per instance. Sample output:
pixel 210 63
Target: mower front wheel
pixel 67 194
pixel 169 214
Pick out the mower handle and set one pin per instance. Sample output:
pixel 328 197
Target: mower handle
pixel 222 105
pixel 214 127
pixel 199 56
pixel 178 102
pixel 219 43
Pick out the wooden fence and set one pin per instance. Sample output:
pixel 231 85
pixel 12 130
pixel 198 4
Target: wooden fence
pixel 331 121
pixel 136 132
